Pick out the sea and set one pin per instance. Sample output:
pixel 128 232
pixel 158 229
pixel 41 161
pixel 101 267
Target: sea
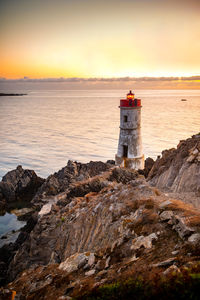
pixel 45 128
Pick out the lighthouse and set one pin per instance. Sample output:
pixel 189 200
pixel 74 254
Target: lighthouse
pixel 129 152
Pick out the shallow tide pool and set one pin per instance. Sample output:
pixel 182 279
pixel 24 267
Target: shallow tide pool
pixel 8 223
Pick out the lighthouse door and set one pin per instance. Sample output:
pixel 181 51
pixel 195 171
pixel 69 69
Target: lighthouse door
pixel 125 151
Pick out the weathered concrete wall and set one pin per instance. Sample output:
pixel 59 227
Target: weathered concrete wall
pixel 132 163
pixel 133 117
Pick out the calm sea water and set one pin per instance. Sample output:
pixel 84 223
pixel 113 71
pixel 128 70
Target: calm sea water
pixel 44 129
pixel 8 222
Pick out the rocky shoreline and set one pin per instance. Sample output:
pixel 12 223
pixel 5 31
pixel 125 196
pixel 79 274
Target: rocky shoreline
pixel 92 224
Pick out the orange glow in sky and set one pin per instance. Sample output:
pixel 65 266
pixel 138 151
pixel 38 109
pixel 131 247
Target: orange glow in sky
pixel 84 38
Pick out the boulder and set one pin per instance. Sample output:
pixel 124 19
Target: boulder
pixel 143 241
pixel 76 261
pixel 166 263
pixel 172 269
pixel 90 273
pixel 181 227
pixel 166 215
pixel 19 185
pixel 194 238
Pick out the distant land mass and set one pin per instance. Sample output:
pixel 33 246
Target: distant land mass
pixel 6 94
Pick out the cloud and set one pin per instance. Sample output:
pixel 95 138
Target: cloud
pixel 114 79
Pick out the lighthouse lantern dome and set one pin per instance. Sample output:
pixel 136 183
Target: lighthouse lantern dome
pixel 130 95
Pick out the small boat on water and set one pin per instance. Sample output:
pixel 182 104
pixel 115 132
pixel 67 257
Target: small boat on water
pixel 183 99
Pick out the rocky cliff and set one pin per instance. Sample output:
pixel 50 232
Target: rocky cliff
pixel 177 171
pixel 109 225
pixel 96 223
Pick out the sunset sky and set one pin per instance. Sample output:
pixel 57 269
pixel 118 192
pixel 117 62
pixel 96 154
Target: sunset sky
pixel 97 38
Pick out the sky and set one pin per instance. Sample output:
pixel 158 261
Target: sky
pixel 97 38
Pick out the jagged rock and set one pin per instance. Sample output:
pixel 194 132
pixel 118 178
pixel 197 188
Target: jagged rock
pixel 181 228
pixel 61 180
pixel 123 175
pixel 144 241
pixel 111 162
pixel 166 215
pixel 104 222
pixel 164 204
pixel 102 274
pixel 36 286
pixel 175 252
pixel 76 261
pixel 91 260
pixel 7 193
pixel 90 273
pixel 194 238
pixel 65 233
pixel 165 263
pixel 23 214
pixel 107 262
pixel 148 164
pixel 132 259
pixel 80 190
pixel 172 269
pixel 19 185
pixel 178 170
pixel 100 265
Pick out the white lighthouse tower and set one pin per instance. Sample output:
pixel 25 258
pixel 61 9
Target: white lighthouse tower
pixel 129 152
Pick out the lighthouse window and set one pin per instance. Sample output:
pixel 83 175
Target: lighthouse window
pixel 125 119
pixel 125 151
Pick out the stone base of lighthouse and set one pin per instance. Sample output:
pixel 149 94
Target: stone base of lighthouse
pixel 136 163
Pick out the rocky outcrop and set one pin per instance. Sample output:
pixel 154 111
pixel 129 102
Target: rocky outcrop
pixel 148 164
pixel 97 233
pixel 17 188
pixel 178 170
pixel 19 185
pixel 76 224
pixel 97 222
pixel 61 180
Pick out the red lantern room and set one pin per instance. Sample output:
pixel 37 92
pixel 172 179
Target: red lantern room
pixel 130 101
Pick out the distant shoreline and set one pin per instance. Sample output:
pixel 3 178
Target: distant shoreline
pixel 5 94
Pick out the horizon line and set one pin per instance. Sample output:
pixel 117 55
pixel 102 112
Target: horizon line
pixel 100 79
